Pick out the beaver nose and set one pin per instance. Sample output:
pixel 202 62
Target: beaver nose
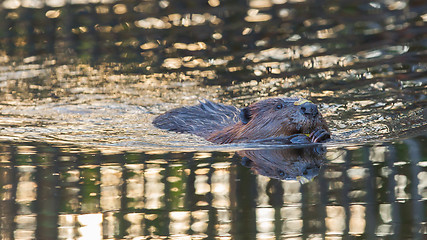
pixel 309 109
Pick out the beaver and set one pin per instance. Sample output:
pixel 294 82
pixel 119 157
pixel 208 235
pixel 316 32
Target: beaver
pixel 289 120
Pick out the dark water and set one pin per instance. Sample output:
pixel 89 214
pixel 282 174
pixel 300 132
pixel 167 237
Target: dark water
pixel 81 81
pixel 362 192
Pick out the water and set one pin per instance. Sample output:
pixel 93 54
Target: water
pixel 81 81
pixel 363 192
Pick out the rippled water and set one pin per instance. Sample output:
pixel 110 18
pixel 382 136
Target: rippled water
pixel 81 81
pixel 95 74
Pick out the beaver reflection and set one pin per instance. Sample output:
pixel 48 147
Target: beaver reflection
pixel 274 118
pixel 302 164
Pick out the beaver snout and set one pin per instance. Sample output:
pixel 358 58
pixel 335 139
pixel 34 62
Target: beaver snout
pixel 309 109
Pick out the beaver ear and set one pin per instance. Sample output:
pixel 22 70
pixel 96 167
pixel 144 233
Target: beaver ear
pixel 245 115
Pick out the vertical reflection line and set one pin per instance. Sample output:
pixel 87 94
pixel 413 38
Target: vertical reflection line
pixel 314 211
pixel 46 204
pixel 39 196
pixel 144 158
pixel 417 205
pixel 57 170
pixel 234 200
pixel 278 221
pixel 304 209
pixel 6 218
pixel 392 195
pixel 323 185
pixel 110 205
pixel 275 193
pixel 246 193
pixel 78 185
pixel 90 191
pixel 370 196
pixel 189 198
pixel 123 211
pixel 212 213
pixel 345 193
pixel 14 182
pixel 165 217
pixel 27 201
pixel 3 201
pixel 135 204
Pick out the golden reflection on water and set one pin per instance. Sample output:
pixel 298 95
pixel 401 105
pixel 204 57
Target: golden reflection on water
pixel 113 71
pixel 145 58
pixel 13 4
pixel 158 194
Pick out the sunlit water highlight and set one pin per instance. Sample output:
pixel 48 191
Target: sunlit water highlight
pixel 86 106
pixel 367 74
pixel 81 81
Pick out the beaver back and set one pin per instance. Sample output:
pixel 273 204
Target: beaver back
pixel 201 120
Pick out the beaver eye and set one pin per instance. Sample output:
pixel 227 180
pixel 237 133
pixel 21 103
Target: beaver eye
pixel 279 106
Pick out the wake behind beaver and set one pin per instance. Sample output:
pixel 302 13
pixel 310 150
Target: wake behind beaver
pixel 295 119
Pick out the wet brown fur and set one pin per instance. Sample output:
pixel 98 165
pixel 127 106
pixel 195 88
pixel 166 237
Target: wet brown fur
pixel 220 123
pixel 266 121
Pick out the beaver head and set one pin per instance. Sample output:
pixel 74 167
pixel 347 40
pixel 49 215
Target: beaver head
pixel 270 118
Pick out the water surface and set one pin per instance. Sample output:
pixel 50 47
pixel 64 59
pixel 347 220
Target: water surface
pixel 81 81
